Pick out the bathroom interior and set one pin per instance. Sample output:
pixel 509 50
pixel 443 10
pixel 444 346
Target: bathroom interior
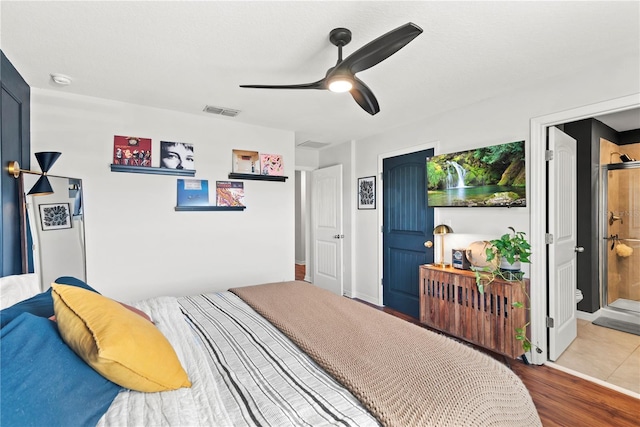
pixel 608 343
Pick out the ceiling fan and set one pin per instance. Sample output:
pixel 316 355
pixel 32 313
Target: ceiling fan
pixel 341 77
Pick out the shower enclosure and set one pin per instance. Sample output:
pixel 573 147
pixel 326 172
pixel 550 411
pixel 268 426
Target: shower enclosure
pixel 620 248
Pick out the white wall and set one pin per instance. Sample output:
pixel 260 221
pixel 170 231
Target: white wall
pixel 137 245
pixel 504 118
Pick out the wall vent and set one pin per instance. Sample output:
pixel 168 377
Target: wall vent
pixel 313 144
pixel 221 111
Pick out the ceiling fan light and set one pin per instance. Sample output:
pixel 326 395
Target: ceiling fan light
pixel 340 85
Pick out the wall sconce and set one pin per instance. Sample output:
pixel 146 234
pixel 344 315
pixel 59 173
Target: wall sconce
pixel 45 159
pixel 441 230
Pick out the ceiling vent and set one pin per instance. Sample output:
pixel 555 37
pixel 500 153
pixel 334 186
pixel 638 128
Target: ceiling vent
pixel 313 144
pixel 221 111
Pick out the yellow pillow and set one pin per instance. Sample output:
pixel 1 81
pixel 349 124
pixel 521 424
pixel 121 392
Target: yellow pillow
pixel 118 343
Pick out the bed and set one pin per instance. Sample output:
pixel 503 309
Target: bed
pixel 281 354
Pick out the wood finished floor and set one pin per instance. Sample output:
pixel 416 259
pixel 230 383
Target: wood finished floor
pixel 561 399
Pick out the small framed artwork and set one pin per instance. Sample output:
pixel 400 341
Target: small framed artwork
pixel 367 192
pixel 176 155
pixel 271 164
pixel 131 151
pixel 55 216
pixel 246 162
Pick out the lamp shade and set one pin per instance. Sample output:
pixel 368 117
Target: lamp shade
pixel 442 229
pixel 46 159
pixel 41 187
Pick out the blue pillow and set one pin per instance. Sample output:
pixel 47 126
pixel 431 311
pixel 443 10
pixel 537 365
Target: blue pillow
pixel 39 305
pixel 43 382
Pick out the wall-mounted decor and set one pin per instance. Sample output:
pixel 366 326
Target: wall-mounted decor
pixel 176 155
pixel 247 162
pixel 271 164
pixel 367 192
pixel 193 192
pixel 55 216
pixel 491 176
pixel 131 151
pixel 229 193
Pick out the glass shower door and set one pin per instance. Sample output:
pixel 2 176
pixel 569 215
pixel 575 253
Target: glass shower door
pixel 622 231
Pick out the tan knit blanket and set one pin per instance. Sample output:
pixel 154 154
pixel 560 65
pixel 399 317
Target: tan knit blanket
pixel 403 374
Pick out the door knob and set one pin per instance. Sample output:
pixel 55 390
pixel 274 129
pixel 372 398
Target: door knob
pixel 339 236
pixel 579 249
pixel 428 244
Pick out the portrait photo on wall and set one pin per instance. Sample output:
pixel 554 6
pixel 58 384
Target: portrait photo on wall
pixel 131 151
pixel 55 216
pixel 367 192
pixel 176 155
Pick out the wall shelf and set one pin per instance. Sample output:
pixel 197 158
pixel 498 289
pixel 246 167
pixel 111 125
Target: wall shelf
pixel 152 170
pixel 253 177
pixel 209 208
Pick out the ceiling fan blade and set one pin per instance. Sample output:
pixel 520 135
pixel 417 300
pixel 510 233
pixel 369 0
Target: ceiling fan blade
pixel 364 97
pixel 315 85
pixel 380 49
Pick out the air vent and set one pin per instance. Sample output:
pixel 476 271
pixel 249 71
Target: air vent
pixel 313 144
pixel 221 111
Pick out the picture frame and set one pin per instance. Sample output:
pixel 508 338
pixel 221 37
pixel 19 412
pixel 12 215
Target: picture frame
pixel 245 161
pixel 367 192
pixel 55 216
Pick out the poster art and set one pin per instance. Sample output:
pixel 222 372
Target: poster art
pixel 229 193
pixel 272 164
pixel 176 155
pixel 131 151
pixel 193 192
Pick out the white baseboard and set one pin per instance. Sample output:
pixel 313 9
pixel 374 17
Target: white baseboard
pixel 303 262
pixel 587 316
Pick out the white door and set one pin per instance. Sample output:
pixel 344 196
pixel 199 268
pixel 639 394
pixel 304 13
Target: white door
pixel 562 251
pixel 326 218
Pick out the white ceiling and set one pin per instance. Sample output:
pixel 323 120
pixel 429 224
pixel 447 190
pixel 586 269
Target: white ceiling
pixel 183 55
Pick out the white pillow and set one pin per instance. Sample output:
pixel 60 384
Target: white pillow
pixel 14 289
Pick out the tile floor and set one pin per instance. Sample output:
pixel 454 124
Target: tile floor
pixel 606 354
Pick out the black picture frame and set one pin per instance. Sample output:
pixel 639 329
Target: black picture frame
pixel 55 216
pixel 367 192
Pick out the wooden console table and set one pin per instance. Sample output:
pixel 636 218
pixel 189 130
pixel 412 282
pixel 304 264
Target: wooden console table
pixel 451 303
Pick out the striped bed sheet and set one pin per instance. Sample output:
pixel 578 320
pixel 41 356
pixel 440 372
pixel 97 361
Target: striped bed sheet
pixel 244 373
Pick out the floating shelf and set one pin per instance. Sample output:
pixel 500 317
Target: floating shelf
pixel 253 177
pixel 152 170
pixel 209 208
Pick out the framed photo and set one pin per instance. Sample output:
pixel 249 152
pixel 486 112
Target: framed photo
pixel 55 216
pixel 367 192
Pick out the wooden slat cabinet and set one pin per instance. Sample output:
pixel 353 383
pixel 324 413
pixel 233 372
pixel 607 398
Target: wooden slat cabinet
pixel 451 303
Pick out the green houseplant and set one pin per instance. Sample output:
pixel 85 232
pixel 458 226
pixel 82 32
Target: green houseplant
pixel 512 249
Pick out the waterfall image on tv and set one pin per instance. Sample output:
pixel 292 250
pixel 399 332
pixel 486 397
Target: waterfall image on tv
pixel 488 176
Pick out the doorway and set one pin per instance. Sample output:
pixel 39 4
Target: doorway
pixel 539 210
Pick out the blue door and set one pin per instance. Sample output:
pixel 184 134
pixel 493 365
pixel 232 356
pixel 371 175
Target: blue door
pixel 407 225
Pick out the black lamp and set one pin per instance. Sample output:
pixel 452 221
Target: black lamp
pixel 45 159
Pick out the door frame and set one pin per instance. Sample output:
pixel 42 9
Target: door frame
pixel 381 157
pixel 539 209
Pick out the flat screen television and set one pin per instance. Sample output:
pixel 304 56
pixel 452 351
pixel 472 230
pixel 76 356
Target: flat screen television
pixel 483 177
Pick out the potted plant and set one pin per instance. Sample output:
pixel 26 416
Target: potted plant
pixel 511 249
